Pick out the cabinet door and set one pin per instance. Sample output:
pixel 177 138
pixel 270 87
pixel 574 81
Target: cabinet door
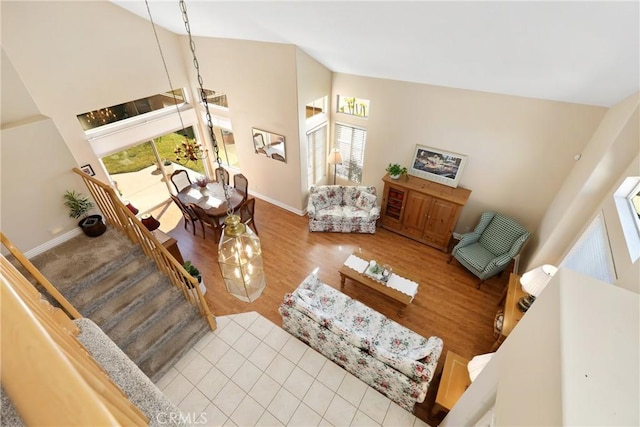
pixel 415 213
pixel 392 206
pixel 439 221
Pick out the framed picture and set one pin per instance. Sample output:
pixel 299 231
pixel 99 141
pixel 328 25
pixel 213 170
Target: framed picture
pixel 437 165
pixel 88 170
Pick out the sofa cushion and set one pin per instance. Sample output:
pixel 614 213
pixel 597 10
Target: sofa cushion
pixel 324 196
pixel 324 301
pixel 476 255
pixel 351 194
pixel 366 201
pixel 350 212
pixel 401 341
pixel 358 324
pixel 330 213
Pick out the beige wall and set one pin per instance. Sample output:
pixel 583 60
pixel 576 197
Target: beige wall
pixel 611 153
pixel 260 82
pixel 519 149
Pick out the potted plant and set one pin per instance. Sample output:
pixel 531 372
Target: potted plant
pixel 395 170
pixel 79 206
pixel 167 166
pixel 194 272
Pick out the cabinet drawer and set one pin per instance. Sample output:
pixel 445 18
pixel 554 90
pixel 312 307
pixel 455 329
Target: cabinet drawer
pixel 413 232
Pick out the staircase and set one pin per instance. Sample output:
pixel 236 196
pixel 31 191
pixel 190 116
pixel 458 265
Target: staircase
pixel 110 281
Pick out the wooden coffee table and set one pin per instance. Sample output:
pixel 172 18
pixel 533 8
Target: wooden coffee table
pixel 362 279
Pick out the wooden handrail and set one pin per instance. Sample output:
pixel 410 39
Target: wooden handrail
pixel 123 220
pixel 40 352
pixel 71 310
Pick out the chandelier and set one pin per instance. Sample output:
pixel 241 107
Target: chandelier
pixel 239 251
pixel 189 151
pixel 101 116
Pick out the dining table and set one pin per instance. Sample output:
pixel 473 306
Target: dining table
pixel 211 198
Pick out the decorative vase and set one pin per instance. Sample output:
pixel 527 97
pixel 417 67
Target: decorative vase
pixel 92 225
pixel 204 191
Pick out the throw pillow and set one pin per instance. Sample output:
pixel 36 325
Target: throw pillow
pixel 366 201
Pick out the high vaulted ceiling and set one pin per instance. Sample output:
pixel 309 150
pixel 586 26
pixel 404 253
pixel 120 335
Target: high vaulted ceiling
pixel 575 51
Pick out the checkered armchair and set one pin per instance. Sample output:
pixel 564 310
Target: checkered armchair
pixel 488 250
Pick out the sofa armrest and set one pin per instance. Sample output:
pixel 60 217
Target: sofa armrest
pixel 466 240
pixel 311 208
pixel 421 370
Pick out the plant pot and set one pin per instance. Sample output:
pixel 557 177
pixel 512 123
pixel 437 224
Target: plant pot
pixel 92 225
pixel 203 288
pixel 395 176
pixel 168 169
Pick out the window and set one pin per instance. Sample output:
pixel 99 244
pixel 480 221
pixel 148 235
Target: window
pixel 355 106
pixel 218 99
pixel 350 140
pixel 317 154
pixel 116 113
pixel 591 254
pixel 316 107
pixel 225 139
pixel 627 201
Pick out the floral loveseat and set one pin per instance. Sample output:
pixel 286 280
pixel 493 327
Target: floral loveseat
pixel 384 354
pixel 346 209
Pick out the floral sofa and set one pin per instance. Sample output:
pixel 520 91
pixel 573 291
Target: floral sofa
pixel 394 360
pixel 346 209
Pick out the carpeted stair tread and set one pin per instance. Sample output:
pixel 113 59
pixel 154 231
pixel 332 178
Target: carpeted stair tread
pixel 155 327
pixel 89 296
pixel 157 363
pixel 84 259
pixel 129 326
pixel 127 299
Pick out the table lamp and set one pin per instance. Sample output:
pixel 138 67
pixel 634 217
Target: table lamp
pixel 533 282
pixel 477 364
pixel 335 159
pixel 149 222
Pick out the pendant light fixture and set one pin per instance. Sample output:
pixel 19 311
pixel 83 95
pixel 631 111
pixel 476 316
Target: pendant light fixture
pixel 239 252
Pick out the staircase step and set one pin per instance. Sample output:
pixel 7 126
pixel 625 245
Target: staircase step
pixel 84 259
pixel 89 296
pixel 152 330
pixel 155 362
pixel 128 327
pixel 128 299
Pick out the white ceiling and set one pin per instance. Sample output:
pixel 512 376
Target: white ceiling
pixel 582 51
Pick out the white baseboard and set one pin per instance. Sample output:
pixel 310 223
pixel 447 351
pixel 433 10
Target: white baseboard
pixel 277 203
pixel 53 242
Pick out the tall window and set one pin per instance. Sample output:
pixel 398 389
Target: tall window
pixel 350 140
pixel 316 107
pixel 218 99
pixel 317 154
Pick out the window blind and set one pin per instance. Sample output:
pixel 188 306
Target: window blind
pixel 591 254
pixel 350 140
pixel 317 153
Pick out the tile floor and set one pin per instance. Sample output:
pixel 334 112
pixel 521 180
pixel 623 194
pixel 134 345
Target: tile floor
pixel 250 372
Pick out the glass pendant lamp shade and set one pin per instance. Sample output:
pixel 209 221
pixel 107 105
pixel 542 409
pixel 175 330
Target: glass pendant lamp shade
pixel 240 259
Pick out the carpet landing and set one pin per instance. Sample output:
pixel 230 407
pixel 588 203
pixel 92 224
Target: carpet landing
pixel 110 281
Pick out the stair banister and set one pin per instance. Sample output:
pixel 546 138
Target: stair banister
pixel 122 219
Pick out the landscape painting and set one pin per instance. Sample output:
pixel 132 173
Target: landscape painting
pixel 437 165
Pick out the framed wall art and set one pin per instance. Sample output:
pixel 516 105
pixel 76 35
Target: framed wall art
pixel 437 165
pixel 88 170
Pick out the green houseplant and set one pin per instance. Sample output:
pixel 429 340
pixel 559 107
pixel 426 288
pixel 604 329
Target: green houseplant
pixel 79 206
pixel 194 272
pixel 395 170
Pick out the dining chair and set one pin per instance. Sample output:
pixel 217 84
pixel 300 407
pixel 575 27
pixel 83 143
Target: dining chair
pixel 247 211
pixel 180 179
pixel 188 214
pixel 241 184
pixel 208 220
pixel 219 173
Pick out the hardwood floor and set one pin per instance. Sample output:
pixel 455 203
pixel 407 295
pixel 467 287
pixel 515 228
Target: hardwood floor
pixel 447 304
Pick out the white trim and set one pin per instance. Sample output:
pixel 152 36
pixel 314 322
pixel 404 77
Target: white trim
pixel 53 242
pixel 277 203
pixel 628 217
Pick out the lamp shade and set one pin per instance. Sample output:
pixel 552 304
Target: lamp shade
pixel 335 157
pixel 149 222
pixel 240 260
pixel 534 281
pixel 477 364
